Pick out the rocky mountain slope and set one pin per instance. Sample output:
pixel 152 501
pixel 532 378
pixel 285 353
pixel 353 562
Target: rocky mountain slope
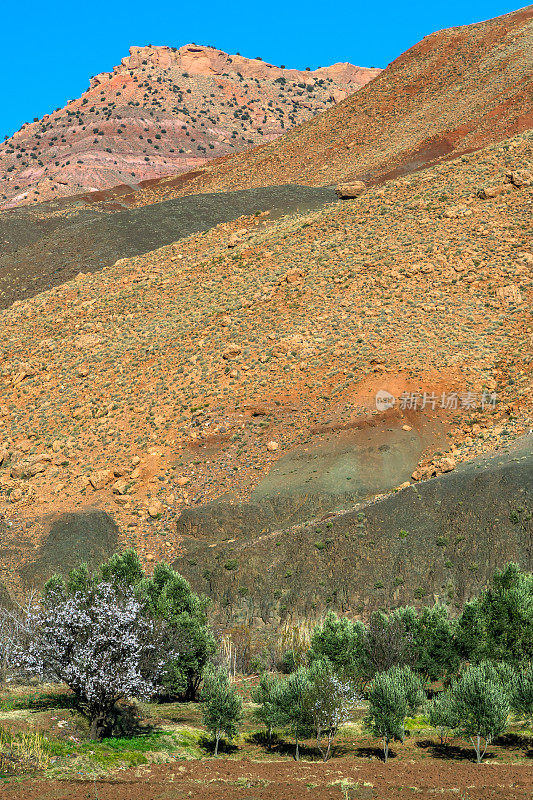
pixel 455 91
pixel 440 539
pixel 246 357
pixel 160 112
pixel 48 243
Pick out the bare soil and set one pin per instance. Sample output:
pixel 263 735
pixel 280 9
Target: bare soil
pixel 363 778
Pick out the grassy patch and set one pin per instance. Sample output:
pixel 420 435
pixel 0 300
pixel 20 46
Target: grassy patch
pixel 119 753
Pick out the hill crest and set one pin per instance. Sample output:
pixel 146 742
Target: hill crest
pixel 161 112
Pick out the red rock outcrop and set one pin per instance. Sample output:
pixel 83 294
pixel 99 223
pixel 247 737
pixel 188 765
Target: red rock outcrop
pixel 455 91
pixel 160 112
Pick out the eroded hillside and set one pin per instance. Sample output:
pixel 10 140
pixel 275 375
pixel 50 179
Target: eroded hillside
pixel 184 375
pixel 456 90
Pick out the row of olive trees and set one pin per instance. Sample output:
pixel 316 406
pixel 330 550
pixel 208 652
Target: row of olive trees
pixel 314 701
pixel 495 626
pixel 120 634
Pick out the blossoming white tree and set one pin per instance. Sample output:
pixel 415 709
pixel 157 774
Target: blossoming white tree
pixel 101 642
pixel 330 702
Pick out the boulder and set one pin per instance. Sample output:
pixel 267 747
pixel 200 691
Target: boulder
pixel 494 191
pixel 520 177
pixel 348 191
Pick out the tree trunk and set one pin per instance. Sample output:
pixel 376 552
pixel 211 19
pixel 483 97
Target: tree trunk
pixel 270 737
pixel 297 753
pixel 386 748
pixel 478 749
pixel 101 726
pixel 217 739
pixel 328 752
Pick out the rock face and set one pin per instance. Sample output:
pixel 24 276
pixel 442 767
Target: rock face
pixel 87 536
pixel 160 112
pixel 441 538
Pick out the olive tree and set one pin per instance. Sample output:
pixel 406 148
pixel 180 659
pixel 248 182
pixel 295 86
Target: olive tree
pixel 221 704
pixel 341 641
pixel 393 695
pixel 482 706
pixel 267 712
pixel 291 707
pixel 442 715
pixel 498 625
pixel 522 694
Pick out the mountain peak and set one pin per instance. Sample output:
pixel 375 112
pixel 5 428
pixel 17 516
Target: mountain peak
pixel 160 112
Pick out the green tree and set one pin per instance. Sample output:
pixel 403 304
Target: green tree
pixel 442 715
pixel 341 642
pixel 221 705
pixel 387 709
pixel 482 707
pixel 436 651
pixel 522 694
pixel 122 569
pixel 498 625
pixel 411 686
pixel 290 701
pixel 267 712
pixel 170 597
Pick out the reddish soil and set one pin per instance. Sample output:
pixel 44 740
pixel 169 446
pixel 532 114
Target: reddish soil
pixel 363 779
pixel 160 112
pixel 456 90
pixel 158 382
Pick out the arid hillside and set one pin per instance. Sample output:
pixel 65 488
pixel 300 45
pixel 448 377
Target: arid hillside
pixel 248 358
pixel 455 91
pixel 163 111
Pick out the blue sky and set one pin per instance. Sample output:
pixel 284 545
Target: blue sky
pixel 50 49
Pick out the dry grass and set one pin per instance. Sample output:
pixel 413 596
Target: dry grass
pixel 22 752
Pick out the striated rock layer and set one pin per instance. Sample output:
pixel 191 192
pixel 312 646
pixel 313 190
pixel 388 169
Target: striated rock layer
pixel 163 111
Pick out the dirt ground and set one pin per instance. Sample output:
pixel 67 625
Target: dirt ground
pixel 339 779
pixel 174 759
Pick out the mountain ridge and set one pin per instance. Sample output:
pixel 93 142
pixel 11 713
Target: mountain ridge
pixel 455 91
pixel 160 112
